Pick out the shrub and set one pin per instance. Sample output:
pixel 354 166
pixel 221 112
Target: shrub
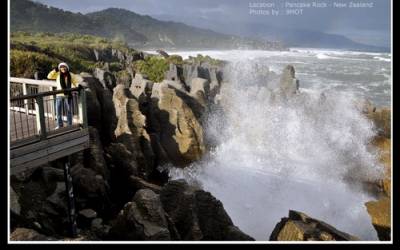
pixel 204 59
pixel 154 67
pixel 175 59
pixel 26 63
pixel 115 66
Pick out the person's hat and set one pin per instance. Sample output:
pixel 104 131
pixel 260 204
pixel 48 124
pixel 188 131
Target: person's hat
pixel 63 64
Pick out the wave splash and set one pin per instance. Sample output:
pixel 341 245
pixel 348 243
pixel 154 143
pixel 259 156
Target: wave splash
pixel 271 156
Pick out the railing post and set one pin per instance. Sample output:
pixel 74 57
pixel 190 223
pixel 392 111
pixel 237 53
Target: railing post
pixel 51 106
pixel 40 120
pixel 54 110
pixel 82 108
pixel 25 92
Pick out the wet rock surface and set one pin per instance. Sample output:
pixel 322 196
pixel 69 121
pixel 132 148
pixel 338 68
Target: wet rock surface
pixel 380 209
pixel 198 215
pixel 141 219
pixel 300 227
pixel 381 217
pixel 180 131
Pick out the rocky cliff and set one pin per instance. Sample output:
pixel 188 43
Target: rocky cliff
pixel 121 193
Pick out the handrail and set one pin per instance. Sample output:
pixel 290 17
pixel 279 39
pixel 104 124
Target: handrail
pixel 42 105
pixel 48 93
pixel 49 83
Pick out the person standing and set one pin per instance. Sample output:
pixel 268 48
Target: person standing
pixel 65 80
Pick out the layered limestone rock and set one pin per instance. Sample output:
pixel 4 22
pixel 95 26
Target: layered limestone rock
pixel 141 86
pixel 382 120
pixel 99 106
pixel 200 90
pixel 141 219
pixel 112 54
pixel 300 227
pixel 131 130
pixel 383 145
pixel 179 130
pixel 178 212
pixel 106 78
pixel 379 210
pixel 380 214
pixel 94 155
pixel 197 215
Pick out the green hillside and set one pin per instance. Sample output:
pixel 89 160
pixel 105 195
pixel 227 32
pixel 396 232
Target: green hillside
pixel 42 51
pixel 138 31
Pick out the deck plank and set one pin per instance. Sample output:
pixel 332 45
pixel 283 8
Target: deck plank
pixel 49 151
pixel 37 145
pixel 40 161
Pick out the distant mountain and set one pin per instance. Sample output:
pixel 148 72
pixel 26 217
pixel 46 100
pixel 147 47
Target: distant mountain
pixel 289 36
pixel 176 35
pixel 137 30
pixel 35 17
pixel 312 39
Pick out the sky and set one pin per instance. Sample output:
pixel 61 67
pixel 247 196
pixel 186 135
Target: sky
pixel 370 25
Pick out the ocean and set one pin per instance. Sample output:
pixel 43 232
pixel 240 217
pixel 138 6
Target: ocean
pixel 364 74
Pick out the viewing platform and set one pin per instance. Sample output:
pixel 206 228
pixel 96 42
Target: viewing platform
pixel 34 137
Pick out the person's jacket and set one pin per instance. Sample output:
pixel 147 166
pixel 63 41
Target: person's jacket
pixel 54 75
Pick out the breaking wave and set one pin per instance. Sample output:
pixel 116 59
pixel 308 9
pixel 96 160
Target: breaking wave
pixel 309 154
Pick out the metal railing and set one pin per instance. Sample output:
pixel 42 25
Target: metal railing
pixel 25 86
pixel 34 115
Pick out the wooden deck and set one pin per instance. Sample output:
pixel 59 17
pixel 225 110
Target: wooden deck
pixel 37 152
pixel 34 141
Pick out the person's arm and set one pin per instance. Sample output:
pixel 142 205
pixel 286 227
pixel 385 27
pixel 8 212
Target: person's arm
pixel 53 74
